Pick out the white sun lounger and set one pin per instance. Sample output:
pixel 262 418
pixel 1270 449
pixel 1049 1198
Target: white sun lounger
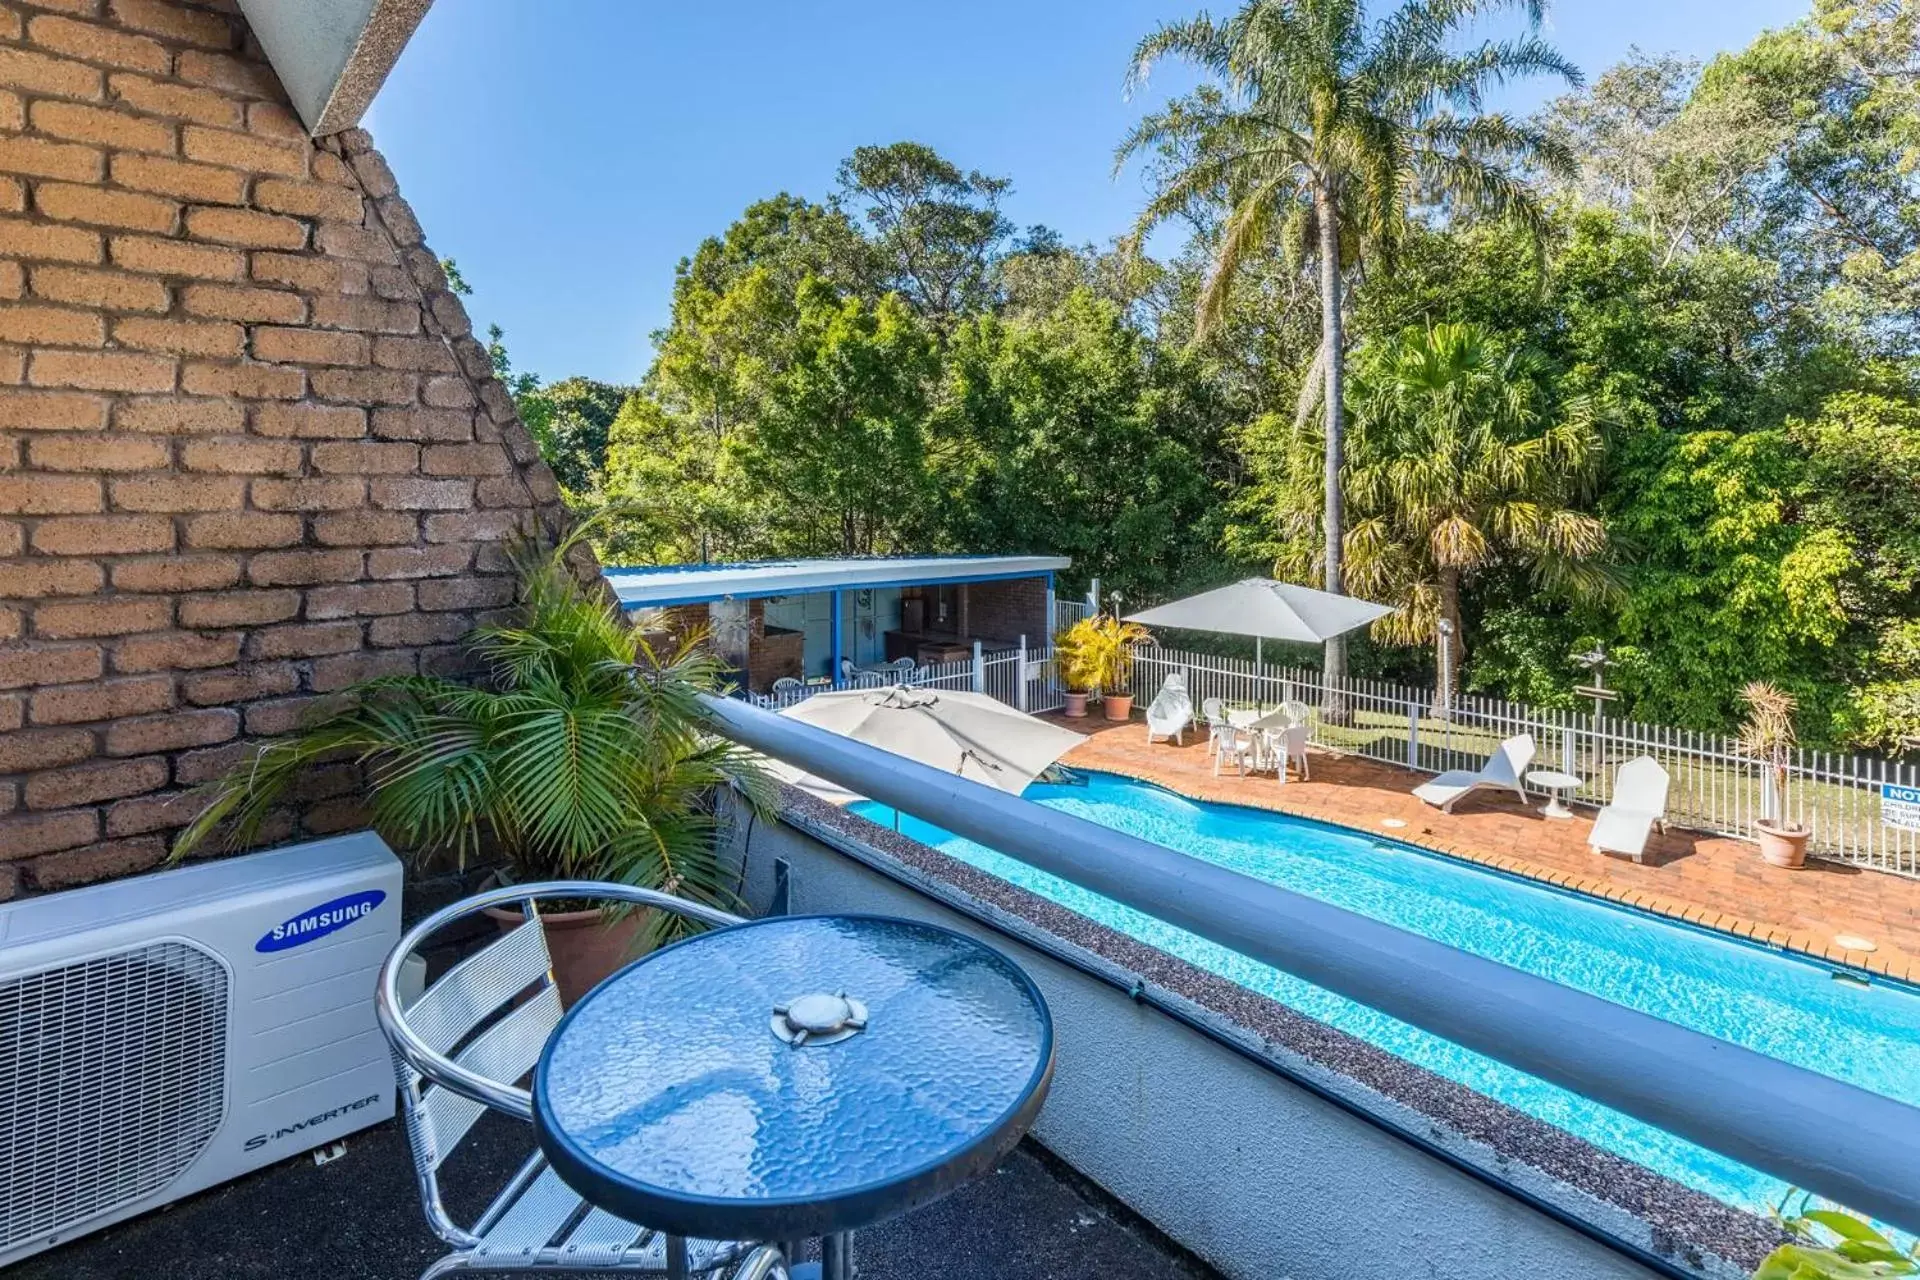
pixel 1639 804
pixel 1502 769
pixel 1171 712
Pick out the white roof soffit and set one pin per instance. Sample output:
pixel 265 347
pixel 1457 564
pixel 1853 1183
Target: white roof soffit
pixel 333 55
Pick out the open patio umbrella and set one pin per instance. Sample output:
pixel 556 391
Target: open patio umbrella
pixel 970 734
pixel 1266 610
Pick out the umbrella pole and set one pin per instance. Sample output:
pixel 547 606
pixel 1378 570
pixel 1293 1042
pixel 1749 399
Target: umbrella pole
pixel 1256 651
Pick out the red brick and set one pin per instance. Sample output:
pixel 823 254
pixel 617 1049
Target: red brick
pixel 335 673
pixel 243 531
pixel 418 562
pixel 242 684
pixel 448 391
pixel 241 302
pixel 366 529
pixel 108 290
pixel 77 122
pixel 358 599
pixel 183 179
pixel 27 834
pixel 365 458
pixel 105 617
pixel 102 535
pixel 49 664
pixel 93 453
pixel 304 568
pixel 176 573
pixel 102 700
pixel 50 326
pixel 219 71
pixel 284 715
pixel 273 120
pixel 175 651
pixel 177 258
pixel 307 640
pixel 172 493
pixel 104 207
pixel 97 862
pixel 246 228
pixel 92 783
pixel 187 337
pixel 164 99
pixel 310 421
pixel 330 494
pixel 475 526
pixel 102 370
pixel 173 22
pixel 45 158
pixel 417 629
pixel 315 275
pixel 429 355
pixel 309 346
pixel 238 608
pixel 48 241
pixel 52 411
pixel 335 311
pixel 22 495
pixel 365 386
pixel 241 457
pixel 244 151
pixel 175 417
pixel 34 579
pixel 464 460
pixel 194 767
pixel 352 241
pixel 247 381
pixel 38 73
pixel 423 424
pixel 466 593
pixel 98 44
pixel 162 811
pixel 307 199
pixel 43 749
pixel 416 494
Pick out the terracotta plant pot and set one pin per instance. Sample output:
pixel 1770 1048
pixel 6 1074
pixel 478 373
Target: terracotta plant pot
pixel 1119 706
pixel 1782 846
pixel 584 946
pixel 1076 708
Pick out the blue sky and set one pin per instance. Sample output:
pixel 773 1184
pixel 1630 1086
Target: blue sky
pixel 569 152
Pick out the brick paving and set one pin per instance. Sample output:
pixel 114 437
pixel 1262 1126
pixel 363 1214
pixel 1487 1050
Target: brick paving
pixel 1713 881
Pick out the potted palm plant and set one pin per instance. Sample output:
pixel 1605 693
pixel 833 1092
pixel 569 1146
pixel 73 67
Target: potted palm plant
pixel 1095 655
pixel 1768 736
pixel 581 753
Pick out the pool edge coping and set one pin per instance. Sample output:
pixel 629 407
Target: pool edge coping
pixel 1759 933
pixel 1621 1203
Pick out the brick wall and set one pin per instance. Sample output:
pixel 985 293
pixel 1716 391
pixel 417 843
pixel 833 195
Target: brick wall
pixel 249 449
pixel 1007 610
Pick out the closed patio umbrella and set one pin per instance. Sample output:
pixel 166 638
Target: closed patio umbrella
pixel 1266 610
pixel 970 734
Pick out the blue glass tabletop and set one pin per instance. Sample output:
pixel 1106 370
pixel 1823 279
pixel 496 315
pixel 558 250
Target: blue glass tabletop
pixel 793 1076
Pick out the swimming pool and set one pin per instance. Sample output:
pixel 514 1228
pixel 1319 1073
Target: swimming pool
pixel 1776 1004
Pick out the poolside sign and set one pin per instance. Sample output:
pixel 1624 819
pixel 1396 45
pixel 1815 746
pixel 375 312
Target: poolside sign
pixel 1900 806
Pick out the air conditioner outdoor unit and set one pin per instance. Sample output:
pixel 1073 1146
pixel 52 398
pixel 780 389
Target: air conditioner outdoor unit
pixel 162 1034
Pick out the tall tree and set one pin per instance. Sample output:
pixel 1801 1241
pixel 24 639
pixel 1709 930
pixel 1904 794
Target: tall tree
pixel 936 228
pixel 1319 132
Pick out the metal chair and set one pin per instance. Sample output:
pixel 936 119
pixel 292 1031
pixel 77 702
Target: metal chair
pixel 462 1048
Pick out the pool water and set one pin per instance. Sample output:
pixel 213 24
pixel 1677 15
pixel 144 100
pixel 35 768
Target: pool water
pixel 1785 1007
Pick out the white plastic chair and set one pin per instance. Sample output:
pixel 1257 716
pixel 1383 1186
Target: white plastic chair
pixel 1639 804
pixel 1171 712
pixel 462 1048
pixel 1241 746
pixel 1503 769
pixel 788 690
pixel 1289 746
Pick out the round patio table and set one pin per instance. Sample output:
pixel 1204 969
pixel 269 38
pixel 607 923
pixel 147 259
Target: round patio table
pixel 792 1077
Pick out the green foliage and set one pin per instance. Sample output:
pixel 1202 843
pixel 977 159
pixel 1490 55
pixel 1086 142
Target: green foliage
pixel 1831 1244
pixel 584 754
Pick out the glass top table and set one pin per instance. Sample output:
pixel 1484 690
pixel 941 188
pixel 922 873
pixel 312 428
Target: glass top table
pixel 794 1076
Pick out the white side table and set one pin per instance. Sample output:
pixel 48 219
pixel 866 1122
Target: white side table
pixel 1555 782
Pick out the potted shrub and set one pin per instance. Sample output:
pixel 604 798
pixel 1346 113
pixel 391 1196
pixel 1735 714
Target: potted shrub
pixel 581 753
pixel 1768 737
pixel 1095 656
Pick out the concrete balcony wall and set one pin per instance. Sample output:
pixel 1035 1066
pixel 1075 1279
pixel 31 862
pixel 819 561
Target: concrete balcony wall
pixel 1251 1171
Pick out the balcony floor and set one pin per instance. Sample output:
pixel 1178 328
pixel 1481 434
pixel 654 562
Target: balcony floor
pixel 1710 880
pixel 358 1218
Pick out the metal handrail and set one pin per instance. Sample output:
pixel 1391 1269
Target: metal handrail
pixel 1840 1141
pixel 444 1071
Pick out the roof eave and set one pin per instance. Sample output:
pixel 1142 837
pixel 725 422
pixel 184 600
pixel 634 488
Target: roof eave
pixel 332 56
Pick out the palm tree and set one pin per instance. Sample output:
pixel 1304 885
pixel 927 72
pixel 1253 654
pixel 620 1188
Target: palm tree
pixel 583 753
pixel 1459 462
pixel 1317 134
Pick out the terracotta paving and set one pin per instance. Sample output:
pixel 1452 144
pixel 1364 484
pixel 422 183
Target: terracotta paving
pixel 1713 881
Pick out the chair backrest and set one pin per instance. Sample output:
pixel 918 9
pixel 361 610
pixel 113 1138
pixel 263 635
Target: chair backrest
pixel 1296 736
pixel 1297 711
pixel 1510 759
pixel 1211 710
pixel 1641 785
pixel 467 1042
pixel 787 684
pixel 1175 681
pixel 869 680
pixel 905 666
